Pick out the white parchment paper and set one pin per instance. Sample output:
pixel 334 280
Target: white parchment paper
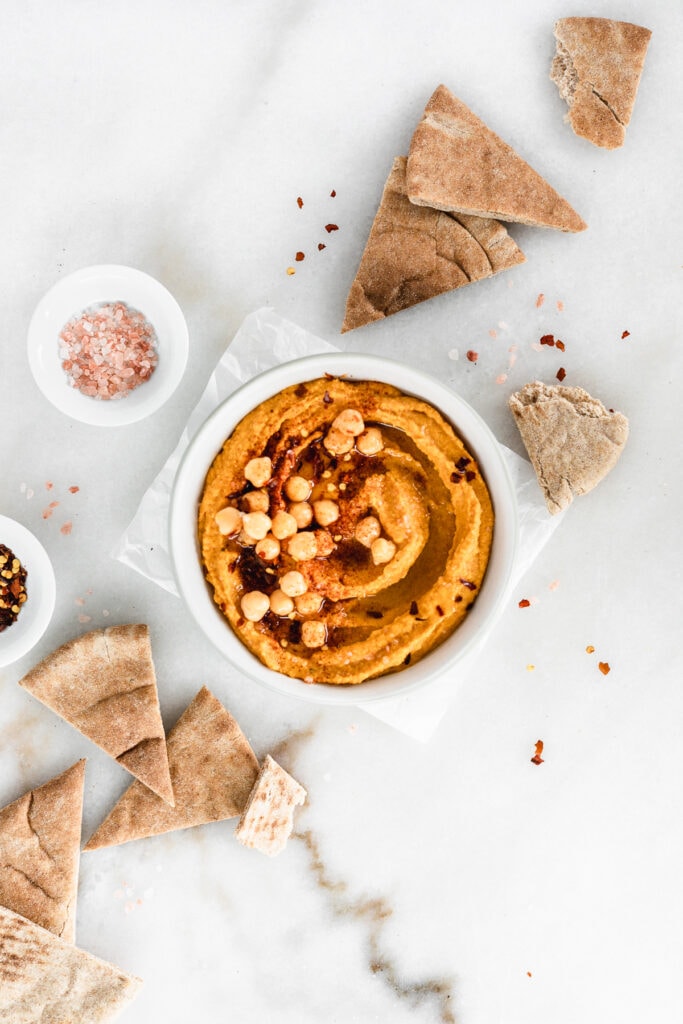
pixel 265 340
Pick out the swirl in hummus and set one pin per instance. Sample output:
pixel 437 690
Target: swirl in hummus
pixel 345 530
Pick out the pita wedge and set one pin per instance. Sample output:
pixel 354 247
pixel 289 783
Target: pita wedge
pixel 40 846
pixel 572 439
pixel 103 683
pixel 458 164
pixel 44 980
pixel 213 770
pixel 597 68
pixel 414 253
pixel 268 819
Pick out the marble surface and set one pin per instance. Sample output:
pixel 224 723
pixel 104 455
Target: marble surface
pixel 444 881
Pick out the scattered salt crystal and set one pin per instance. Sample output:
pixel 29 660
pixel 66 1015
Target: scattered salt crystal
pixel 454 355
pixel 66 528
pixel 79 601
pixel 501 378
pixel 29 493
pixel 22 488
pixel 84 618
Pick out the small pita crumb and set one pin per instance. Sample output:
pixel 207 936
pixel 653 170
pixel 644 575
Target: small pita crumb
pixel 573 441
pixel 458 164
pixel 414 253
pixel 597 69
pixel 268 818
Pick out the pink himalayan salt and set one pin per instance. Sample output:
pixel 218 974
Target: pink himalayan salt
pixel 107 350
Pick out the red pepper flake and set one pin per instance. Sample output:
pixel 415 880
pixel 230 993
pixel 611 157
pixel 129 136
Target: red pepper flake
pixel 321 246
pixel 537 759
pixel 48 485
pixel 47 512
pixel 529 974
pixel 333 193
pixel 560 344
pixel 560 306
pixel 472 355
pixel 590 649
pixel 74 490
pixel 604 667
pixel 300 256
pixel 626 334
pixel 66 528
pixel 548 339
pixel 469 584
pixel 331 227
pixel 470 475
pixel 561 374
pixel 524 603
pixel 327 398
pixel 540 300
pixel 299 202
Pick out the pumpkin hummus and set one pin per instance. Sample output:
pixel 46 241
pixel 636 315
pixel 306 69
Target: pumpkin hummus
pixel 345 530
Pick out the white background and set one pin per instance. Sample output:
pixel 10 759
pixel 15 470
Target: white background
pixel 176 137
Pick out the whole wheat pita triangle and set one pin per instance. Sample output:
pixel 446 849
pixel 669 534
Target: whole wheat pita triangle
pixel 213 770
pixel 573 441
pixel 104 684
pixel 414 253
pixel 597 69
pixel 40 846
pixel 44 980
pixel 457 163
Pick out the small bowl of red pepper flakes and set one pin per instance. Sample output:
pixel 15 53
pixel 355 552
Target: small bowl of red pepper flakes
pixel 108 345
pixel 27 590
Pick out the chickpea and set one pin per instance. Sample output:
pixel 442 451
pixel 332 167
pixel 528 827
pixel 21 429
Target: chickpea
pixel 268 549
pixel 256 525
pixel 284 525
pixel 293 584
pixel 367 530
pixel 326 511
pixel 338 441
pixel 254 605
pixel 228 520
pixel 382 550
pixel 257 501
pixel 280 603
pixel 308 603
pixel 370 441
pixel 303 514
pixel 258 471
pixel 302 546
pixel 349 421
pixel 313 633
pixel 298 488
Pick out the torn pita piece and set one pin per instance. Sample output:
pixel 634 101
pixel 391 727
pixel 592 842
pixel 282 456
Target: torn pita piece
pixel 103 683
pixel 40 847
pixel 414 253
pixel 573 441
pixel 44 980
pixel 458 164
pixel 213 769
pixel 268 819
pixel 597 68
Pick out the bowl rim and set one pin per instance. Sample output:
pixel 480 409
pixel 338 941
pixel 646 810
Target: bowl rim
pixel 189 480
pixel 107 282
pixel 22 636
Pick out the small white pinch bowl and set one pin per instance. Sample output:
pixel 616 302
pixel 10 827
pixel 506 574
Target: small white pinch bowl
pixel 89 287
pixel 208 441
pixel 33 619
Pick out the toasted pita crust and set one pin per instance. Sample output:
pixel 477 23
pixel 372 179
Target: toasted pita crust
pixel 414 253
pixel 44 980
pixel 40 842
pixel 572 439
pixel 597 68
pixel 103 683
pixel 458 164
pixel 268 819
pixel 213 770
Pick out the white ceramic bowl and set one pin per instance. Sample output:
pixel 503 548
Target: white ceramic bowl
pixel 209 440
pixel 33 619
pixel 90 286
